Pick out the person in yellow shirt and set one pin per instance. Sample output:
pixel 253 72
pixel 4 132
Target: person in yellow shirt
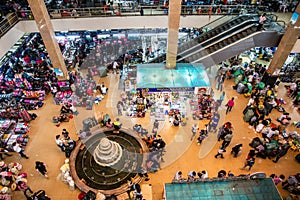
pixel 117 124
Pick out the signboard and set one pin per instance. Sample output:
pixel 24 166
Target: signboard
pixel 186 75
pixel 179 89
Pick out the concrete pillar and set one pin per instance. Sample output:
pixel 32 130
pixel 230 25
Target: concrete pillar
pixel 286 44
pixel 172 46
pixel 45 27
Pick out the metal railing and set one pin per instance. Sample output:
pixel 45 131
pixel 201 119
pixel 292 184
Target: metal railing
pixel 147 11
pixel 12 18
pixel 7 23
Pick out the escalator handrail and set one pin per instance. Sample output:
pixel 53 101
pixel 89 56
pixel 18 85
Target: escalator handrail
pixel 251 16
pixel 206 26
pixel 227 46
pixel 208 32
pixel 218 27
pixel 254 21
pixel 216 20
pixel 219 37
pixel 227 36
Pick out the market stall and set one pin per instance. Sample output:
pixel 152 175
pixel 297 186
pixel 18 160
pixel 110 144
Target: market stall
pixel 163 91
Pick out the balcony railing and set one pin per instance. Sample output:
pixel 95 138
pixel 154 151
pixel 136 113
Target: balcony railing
pixel 147 10
pixel 12 18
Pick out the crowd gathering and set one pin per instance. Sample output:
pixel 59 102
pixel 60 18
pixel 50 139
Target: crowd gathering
pixel 273 139
pixel 27 77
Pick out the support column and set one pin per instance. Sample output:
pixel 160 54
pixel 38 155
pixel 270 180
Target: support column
pixel 173 20
pixel 286 44
pixel 45 27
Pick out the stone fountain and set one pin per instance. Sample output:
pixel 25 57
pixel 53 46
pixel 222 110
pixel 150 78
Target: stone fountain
pixel 107 153
pixel 105 161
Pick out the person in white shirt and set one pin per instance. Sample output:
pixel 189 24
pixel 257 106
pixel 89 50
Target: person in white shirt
pixel 74 110
pixel 251 101
pixel 115 65
pixel 59 142
pixel 271 133
pixel 204 174
pixel 192 175
pixel 283 116
pixel 103 89
pixel 178 176
pixel 195 128
pixel 17 148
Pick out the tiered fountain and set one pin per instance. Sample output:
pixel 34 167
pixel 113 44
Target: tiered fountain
pixel 107 153
pixel 105 161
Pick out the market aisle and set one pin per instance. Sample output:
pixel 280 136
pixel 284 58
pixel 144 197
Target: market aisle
pixel 42 147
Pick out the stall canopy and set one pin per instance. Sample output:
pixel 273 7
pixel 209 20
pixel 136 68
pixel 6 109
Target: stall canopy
pixel 186 75
pixel 226 189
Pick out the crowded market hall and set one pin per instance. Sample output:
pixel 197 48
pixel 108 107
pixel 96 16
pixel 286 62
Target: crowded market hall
pixel 105 110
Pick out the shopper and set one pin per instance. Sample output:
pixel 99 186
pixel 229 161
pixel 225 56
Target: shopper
pixel 281 151
pixel 220 153
pixel 18 148
pixel 230 105
pixel 117 124
pixel 109 123
pixel 142 11
pixel 3 150
pixel 249 163
pixel 201 137
pixel 195 128
pixel 221 98
pixel 178 176
pixel 227 140
pixel 41 167
pixel 192 175
pixel 261 21
pixel 214 123
pixel 65 133
pixel 59 142
pixel 236 150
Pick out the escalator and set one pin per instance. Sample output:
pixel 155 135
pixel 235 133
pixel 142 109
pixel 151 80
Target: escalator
pixel 227 40
pixel 234 44
pixel 207 35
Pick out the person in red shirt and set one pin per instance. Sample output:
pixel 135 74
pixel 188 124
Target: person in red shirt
pixel 230 104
